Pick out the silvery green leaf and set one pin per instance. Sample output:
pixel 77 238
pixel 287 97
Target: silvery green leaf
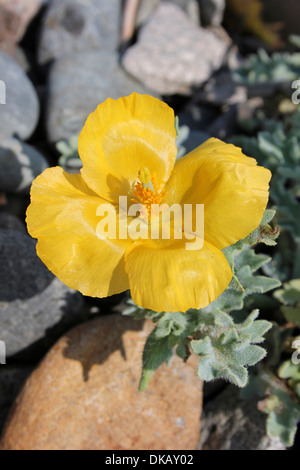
pixel 156 352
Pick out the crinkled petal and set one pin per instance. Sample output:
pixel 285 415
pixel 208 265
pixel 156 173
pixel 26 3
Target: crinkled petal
pixel 233 189
pixel 62 216
pixel 121 138
pixel 164 276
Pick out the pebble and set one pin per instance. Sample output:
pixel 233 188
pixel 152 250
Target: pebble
pixel 230 423
pixel 222 90
pixel 224 127
pixel 147 8
pixel 10 222
pixel 173 55
pixel 20 164
pixel 78 84
pixel 79 25
pixel 86 395
pixel 190 140
pixel 35 307
pixel 19 104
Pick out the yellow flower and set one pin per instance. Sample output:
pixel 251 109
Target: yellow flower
pixel 127 147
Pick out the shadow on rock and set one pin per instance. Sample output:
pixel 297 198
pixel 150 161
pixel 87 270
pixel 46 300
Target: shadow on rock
pixel 93 342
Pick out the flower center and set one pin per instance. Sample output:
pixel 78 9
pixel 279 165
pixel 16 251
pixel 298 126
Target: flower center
pixel 147 191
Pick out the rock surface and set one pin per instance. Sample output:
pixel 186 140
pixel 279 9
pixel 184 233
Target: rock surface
pixel 86 396
pixel 20 112
pixel 225 125
pixel 35 307
pixel 222 90
pixel 21 59
pixel 22 273
pixel 74 95
pixel 172 54
pixel 147 7
pixel 230 423
pixel 15 15
pixel 16 204
pixel 10 222
pixel 197 116
pixel 79 25
pixel 188 140
pixel 20 164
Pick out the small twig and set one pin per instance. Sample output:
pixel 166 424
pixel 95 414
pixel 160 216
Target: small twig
pixel 129 19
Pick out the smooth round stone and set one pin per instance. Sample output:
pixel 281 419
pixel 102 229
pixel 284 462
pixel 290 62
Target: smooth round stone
pixel 78 84
pixel 84 396
pixel 20 111
pixel 79 25
pixel 36 308
pixel 20 164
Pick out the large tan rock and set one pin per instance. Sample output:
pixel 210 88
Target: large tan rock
pixel 84 396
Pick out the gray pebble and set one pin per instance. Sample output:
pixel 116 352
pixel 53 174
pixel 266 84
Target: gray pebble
pixel 10 222
pixel 36 308
pixel 20 164
pixel 79 25
pixel 230 423
pixel 20 113
pixel 78 84
pixel 222 90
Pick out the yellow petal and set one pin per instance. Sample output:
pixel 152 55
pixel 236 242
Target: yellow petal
pixel 164 276
pixel 121 138
pixel 62 216
pixel 233 189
